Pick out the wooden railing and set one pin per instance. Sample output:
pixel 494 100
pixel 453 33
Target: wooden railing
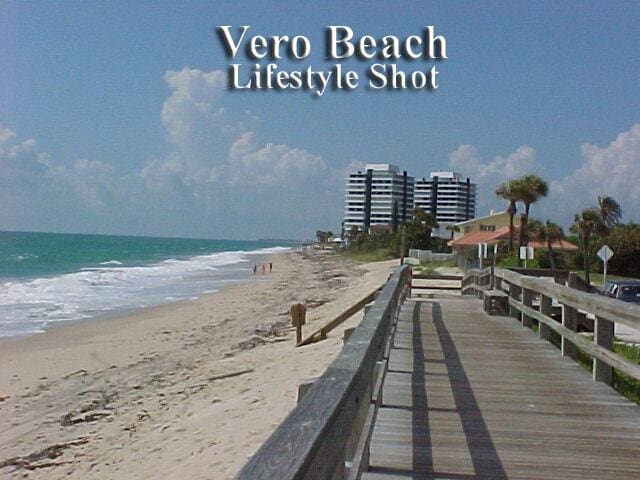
pixel 436 286
pixel 319 437
pixel 525 291
pixel 475 281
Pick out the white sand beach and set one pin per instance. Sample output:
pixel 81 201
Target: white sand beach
pixel 148 396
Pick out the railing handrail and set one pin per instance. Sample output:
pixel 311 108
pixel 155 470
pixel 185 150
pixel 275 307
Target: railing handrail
pixel 310 443
pixel 606 311
pixel 599 305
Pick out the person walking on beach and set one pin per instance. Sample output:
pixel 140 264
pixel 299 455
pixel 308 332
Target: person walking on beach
pixel 270 267
pixel 255 269
pixel 262 268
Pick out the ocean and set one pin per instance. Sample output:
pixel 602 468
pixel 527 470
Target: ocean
pixel 48 278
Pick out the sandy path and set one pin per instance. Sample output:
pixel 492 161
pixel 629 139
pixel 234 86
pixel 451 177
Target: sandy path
pixel 140 397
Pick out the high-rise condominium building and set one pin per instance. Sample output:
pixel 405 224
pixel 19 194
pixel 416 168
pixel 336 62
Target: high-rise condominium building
pixel 449 196
pixel 379 194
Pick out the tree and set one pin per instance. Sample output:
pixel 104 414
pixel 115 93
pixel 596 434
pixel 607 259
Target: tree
pixel 322 236
pixel 505 191
pixel 529 189
pixel 586 224
pixel 418 231
pixel 554 233
pixel 547 232
pixel 610 211
pixel 624 240
pixel 453 229
pixel 394 216
pixel 595 221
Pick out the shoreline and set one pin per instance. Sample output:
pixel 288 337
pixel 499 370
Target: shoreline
pixel 147 394
pixel 115 321
pixel 130 311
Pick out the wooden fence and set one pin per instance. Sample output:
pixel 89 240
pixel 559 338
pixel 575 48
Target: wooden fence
pixel 319 437
pixel 530 299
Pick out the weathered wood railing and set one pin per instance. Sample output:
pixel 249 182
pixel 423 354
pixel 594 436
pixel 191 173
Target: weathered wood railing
pixel 524 291
pixel 319 437
pixel 476 281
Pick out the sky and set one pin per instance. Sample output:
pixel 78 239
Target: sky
pixel 116 117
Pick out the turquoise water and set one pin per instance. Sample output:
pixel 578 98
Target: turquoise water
pixel 46 278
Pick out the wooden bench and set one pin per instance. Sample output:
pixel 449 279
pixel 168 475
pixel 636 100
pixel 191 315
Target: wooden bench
pixel 495 302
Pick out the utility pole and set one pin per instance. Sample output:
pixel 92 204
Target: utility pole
pixel 403 244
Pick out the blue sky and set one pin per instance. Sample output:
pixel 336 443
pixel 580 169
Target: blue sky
pixel 114 117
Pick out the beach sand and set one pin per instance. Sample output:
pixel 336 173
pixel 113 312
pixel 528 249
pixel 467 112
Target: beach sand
pixel 145 396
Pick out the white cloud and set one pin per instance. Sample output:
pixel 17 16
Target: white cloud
pixel 217 178
pixel 488 174
pixel 612 170
pixel 35 188
pixel 270 164
pixel 6 135
pixel 213 143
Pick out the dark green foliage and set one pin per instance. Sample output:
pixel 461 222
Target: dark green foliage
pixel 542 257
pixel 628 386
pixel 624 240
pixel 387 244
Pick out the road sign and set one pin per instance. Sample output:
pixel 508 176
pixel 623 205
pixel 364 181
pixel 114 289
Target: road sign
pixel 605 253
pixel 526 253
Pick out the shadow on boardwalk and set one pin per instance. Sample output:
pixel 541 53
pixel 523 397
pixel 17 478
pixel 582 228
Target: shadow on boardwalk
pixel 484 455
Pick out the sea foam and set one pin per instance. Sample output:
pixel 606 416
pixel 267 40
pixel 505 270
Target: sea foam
pixel 31 305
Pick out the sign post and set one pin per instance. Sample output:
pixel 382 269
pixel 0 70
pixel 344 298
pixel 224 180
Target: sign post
pixel 605 253
pixel 482 253
pixel 526 253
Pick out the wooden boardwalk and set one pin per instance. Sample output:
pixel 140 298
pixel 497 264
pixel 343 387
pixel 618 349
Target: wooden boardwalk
pixel 467 395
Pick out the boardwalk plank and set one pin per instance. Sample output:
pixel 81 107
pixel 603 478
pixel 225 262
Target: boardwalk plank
pixel 469 395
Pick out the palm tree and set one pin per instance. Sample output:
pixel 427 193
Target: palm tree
pixel 610 211
pixel 585 225
pixel 505 191
pixel 529 189
pixel 418 231
pixel 553 232
pixel 394 216
pixel 548 232
pixel 595 221
pixel 453 229
pixel 427 219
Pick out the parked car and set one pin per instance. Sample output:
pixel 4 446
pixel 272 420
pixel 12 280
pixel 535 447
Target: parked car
pixel 608 287
pixel 625 290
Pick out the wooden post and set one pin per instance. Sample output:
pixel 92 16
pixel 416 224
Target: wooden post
pixel 514 293
pixel 603 336
pixel 527 301
pixel 346 334
pixel 569 320
pixel 304 387
pixel 298 314
pixel 545 308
